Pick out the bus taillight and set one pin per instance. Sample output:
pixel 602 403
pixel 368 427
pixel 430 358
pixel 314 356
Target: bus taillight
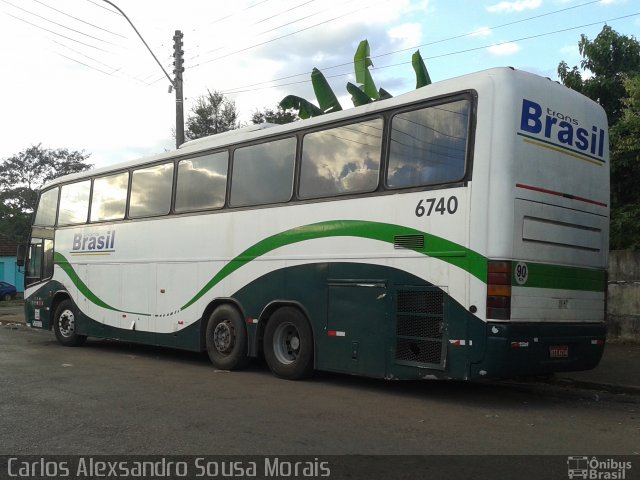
pixel 499 290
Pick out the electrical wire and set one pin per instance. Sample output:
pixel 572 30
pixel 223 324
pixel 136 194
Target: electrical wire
pixel 325 68
pixel 79 19
pixel 56 23
pixel 56 33
pixel 235 91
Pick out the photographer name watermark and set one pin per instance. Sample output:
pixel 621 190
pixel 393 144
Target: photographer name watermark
pixel 198 467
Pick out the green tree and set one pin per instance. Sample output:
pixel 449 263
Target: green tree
pixel 624 139
pixel 211 113
pixel 279 116
pixel 613 63
pixel 610 58
pixel 22 175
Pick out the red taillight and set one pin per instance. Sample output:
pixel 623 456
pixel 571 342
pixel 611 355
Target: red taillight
pixel 499 290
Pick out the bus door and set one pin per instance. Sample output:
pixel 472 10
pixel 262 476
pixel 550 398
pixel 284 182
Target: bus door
pixel 357 328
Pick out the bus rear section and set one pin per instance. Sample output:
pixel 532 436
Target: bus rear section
pixel 547 241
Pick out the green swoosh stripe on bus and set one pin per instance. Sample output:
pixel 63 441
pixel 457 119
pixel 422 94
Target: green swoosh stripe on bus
pixel 434 246
pixel 64 264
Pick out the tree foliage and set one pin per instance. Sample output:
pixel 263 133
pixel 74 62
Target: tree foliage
pixel 613 61
pixel 211 113
pixel 279 116
pixel 610 58
pixel 22 175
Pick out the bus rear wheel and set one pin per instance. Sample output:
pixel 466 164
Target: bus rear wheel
pixel 64 325
pixel 226 339
pixel 288 344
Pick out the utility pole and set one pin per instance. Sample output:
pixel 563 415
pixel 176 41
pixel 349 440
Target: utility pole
pixel 177 83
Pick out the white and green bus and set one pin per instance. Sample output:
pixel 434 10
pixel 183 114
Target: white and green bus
pixel 457 231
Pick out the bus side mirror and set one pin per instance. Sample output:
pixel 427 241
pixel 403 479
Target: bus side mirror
pixel 21 255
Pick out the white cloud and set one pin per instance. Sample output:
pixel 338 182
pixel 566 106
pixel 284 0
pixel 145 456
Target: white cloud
pixel 504 49
pixel 406 35
pixel 481 32
pixel 515 6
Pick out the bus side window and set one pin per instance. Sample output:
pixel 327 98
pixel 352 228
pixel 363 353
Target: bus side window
pixel 341 160
pixel 109 198
pixel 202 182
pixel 151 191
pixel 263 173
pixel 74 203
pixel 428 146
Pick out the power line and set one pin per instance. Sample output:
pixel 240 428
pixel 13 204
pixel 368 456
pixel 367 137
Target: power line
pixel 56 23
pixel 79 19
pixel 236 13
pixel 233 91
pixel 112 68
pixel 417 46
pixel 84 64
pixel 56 33
pixel 104 8
pixel 275 39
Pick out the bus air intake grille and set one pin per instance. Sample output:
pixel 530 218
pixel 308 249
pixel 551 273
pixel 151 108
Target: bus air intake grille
pixel 408 242
pixel 419 326
pixel 418 351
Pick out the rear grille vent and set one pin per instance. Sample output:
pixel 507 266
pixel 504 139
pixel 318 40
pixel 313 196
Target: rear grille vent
pixel 419 326
pixel 409 242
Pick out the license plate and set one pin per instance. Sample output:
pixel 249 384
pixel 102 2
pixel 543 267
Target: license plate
pixel 559 351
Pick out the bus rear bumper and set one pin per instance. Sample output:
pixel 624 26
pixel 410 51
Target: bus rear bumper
pixel 539 349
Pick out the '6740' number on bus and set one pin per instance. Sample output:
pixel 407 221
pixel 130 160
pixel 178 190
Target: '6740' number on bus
pixel 440 205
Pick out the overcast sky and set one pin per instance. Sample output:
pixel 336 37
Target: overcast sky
pixel 75 75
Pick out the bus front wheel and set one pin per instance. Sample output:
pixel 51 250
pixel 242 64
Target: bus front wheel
pixel 64 325
pixel 288 344
pixel 226 339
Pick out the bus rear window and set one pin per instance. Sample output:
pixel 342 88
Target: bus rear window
pixel 428 146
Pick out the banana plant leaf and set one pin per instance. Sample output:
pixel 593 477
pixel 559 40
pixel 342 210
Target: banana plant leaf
pixel 384 94
pixel 326 98
pixel 305 108
pixel 361 63
pixel 422 75
pixel 358 97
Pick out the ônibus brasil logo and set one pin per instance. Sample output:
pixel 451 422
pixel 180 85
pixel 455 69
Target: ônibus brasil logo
pixel 94 243
pixel 597 469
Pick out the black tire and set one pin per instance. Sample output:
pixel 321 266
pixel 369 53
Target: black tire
pixel 288 344
pixel 64 325
pixel 226 339
pixel 7 297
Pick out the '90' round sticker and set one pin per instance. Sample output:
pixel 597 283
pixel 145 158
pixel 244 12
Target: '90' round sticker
pixel 521 273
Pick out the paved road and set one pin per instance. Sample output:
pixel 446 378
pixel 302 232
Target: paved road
pixel 114 398
pixel 11 314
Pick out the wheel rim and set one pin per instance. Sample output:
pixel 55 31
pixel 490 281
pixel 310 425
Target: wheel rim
pixel 67 323
pixel 224 337
pixel 286 343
